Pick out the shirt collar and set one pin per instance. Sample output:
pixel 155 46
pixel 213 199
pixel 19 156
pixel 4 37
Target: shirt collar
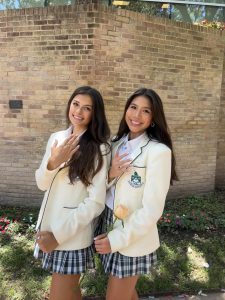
pixel 134 142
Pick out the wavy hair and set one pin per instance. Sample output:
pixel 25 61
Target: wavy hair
pixel 88 160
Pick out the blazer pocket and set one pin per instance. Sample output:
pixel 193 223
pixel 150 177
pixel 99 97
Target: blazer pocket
pixel 138 166
pixel 70 207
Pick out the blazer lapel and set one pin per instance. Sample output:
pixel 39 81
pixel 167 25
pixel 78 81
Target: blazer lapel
pixel 117 145
pixel 64 135
pixel 143 143
pixel 134 155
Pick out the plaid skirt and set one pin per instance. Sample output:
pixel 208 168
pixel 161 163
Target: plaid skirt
pixel 68 261
pixel 118 264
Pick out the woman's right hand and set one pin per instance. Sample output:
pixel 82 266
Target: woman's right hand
pixel 62 153
pixel 102 244
pixel 120 164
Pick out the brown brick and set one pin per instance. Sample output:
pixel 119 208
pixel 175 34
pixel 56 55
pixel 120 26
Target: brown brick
pixel 46 53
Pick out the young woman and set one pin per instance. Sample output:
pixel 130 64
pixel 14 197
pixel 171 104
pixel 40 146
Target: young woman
pixel 73 173
pixel 142 168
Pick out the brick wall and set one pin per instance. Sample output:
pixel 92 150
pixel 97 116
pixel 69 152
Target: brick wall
pixel 45 53
pixel 220 163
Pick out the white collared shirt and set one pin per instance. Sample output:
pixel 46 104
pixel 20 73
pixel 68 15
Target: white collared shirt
pixel 128 146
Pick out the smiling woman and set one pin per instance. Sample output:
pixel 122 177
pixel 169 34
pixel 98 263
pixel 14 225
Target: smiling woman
pixel 139 116
pixel 73 175
pixel 142 169
pixel 80 113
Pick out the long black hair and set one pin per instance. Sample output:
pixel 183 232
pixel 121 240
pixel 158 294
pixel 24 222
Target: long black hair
pixel 87 161
pixel 159 132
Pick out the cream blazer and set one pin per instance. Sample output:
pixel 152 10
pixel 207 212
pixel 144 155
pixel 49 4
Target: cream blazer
pixel 143 191
pixel 68 210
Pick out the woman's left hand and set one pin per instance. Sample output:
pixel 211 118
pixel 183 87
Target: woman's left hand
pixel 46 241
pixel 102 244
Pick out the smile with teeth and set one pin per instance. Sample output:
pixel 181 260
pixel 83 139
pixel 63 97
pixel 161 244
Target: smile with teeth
pixel 135 123
pixel 77 118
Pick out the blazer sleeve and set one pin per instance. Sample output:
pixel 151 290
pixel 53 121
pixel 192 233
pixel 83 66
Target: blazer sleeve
pixel 88 209
pixel 158 173
pixel 44 176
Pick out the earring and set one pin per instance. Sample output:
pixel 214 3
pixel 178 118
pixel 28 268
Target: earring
pixel 153 124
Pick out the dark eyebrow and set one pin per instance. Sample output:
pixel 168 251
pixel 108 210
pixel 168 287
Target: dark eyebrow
pixel 142 107
pixel 74 100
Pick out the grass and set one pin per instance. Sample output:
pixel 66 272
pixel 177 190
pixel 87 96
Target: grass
pixel 186 248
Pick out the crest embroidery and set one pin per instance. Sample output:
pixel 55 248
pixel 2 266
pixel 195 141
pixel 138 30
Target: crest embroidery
pixel 135 180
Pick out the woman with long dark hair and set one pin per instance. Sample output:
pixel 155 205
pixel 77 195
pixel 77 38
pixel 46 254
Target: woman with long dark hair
pixel 142 169
pixel 73 175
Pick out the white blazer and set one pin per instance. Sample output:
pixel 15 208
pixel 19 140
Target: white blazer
pixel 143 191
pixel 68 210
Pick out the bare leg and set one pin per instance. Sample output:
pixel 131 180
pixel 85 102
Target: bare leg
pixel 65 287
pixel 135 295
pixel 121 289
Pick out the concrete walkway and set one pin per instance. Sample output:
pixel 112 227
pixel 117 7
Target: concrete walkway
pixel 210 296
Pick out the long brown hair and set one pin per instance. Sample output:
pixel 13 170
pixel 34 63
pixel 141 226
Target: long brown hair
pixel 88 161
pixel 159 132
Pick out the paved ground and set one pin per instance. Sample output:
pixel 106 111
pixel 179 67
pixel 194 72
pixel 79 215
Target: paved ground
pixel 213 296
pixel 210 296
